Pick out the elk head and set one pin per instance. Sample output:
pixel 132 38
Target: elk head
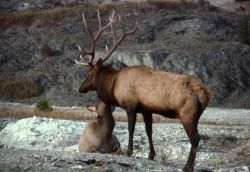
pixel 90 81
pixel 102 109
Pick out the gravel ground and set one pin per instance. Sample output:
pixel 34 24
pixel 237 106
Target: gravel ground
pixel 25 160
pixel 42 144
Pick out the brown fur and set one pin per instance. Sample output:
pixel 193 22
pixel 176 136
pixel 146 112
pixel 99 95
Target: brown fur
pixel 97 136
pixel 145 90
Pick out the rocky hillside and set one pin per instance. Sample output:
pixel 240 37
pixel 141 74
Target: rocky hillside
pixel 39 42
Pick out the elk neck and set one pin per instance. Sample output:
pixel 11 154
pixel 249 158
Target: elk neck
pixel 105 84
pixel 106 123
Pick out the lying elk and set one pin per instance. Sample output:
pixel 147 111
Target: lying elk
pixel 140 89
pixel 97 136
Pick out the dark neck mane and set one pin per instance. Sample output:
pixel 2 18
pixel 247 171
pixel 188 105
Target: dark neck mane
pixel 105 84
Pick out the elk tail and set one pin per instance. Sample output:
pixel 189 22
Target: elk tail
pixel 203 93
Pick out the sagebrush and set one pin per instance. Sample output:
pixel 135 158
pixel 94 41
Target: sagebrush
pixel 17 87
pixel 43 105
pixel 244 29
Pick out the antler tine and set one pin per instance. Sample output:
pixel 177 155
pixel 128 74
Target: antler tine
pixel 99 18
pixel 80 49
pixel 86 25
pixel 113 33
pixel 122 24
pixel 83 64
pixel 99 32
pixel 121 38
pixel 133 30
pixel 101 29
pixel 107 49
pixel 96 36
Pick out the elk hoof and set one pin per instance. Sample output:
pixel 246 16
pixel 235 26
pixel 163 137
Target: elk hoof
pixel 129 153
pixel 151 156
pixel 188 169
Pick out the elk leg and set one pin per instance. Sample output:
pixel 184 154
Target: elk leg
pixel 193 135
pixel 148 125
pixel 131 128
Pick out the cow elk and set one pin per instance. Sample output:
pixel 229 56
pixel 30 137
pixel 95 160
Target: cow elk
pixel 140 89
pixel 97 136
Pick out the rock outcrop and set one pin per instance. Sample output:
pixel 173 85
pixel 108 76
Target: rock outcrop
pixel 200 40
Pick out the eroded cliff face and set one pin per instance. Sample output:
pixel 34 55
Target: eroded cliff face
pixel 200 40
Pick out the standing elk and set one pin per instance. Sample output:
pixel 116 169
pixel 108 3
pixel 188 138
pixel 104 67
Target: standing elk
pixel 140 89
pixel 97 136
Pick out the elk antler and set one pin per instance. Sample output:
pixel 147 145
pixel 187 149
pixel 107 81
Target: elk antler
pixel 77 62
pixel 116 41
pixel 94 37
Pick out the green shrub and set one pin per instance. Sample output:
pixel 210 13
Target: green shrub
pixel 43 105
pixel 244 29
pixel 17 87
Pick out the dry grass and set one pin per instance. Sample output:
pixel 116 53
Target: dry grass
pixel 82 115
pixel 27 17
pixel 60 12
pixel 244 29
pixel 70 115
pixel 244 151
pixel 47 51
pixel 8 112
pixel 235 149
pixel 240 0
pixel 49 16
pixel 172 3
pixel 17 87
pixel 56 114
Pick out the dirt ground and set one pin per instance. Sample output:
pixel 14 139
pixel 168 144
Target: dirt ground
pixel 222 148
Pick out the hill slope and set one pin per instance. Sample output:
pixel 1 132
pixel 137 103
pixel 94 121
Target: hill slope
pixel 201 40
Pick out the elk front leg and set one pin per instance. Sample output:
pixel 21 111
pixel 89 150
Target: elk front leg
pixel 148 126
pixel 131 128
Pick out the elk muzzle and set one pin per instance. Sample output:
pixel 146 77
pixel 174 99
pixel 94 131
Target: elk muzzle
pixel 87 85
pixel 83 88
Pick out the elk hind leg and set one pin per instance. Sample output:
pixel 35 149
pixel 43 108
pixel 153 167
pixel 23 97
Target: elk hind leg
pixel 190 126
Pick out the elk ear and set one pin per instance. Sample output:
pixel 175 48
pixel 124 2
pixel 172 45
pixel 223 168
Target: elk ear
pixel 99 63
pixel 109 66
pixel 91 108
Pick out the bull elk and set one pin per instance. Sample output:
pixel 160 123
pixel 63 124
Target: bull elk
pixel 140 89
pixel 97 136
